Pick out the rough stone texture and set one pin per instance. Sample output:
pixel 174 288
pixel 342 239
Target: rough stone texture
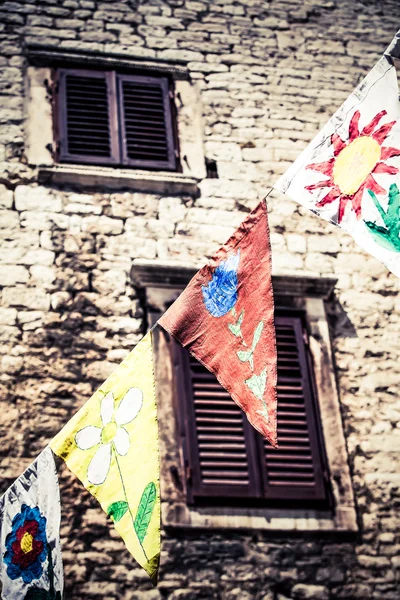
pixel 270 74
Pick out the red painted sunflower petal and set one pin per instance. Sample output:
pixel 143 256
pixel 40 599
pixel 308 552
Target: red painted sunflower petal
pixel 318 185
pixel 371 184
pixel 337 143
pixel 382 168
pixel 381 134
pixel 354 131
pixel 325 167
pixel 372 124
pixel 342 207
pixel 388 152
pixel 332 195
pixel 356 201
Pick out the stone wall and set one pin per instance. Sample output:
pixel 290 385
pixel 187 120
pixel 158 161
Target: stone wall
pixel 270 74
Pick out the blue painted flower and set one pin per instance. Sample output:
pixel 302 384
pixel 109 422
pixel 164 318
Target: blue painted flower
pixel 26 545
pixel 220 295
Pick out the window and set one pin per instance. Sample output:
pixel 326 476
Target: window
pixel 330 503
pixel 226 459
pixel 110 118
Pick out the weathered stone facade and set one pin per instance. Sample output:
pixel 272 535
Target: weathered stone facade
pixel 269 75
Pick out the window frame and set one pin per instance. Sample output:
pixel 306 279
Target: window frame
pixel 160 284
pixel 116 120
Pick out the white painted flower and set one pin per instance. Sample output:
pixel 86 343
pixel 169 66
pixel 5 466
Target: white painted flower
pixel 112 435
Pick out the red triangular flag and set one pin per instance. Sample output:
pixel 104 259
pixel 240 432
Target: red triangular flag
pixel 225 318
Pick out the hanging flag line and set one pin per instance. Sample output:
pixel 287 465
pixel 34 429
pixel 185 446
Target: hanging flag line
pixel 229 299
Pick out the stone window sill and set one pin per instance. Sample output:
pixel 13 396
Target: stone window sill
pixel 116 178
pixel 176 515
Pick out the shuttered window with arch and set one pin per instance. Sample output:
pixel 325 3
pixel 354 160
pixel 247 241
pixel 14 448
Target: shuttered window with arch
pixel 225 456
pixel 109 118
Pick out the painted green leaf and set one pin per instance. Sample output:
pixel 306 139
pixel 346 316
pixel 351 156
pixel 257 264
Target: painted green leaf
pixel 235 328
pixel 245 355
pixel 388 236
pixel 145 510
pixel 263 413
pixel 257 335
pixel 257 384
pixel 116 510
pixel 152 568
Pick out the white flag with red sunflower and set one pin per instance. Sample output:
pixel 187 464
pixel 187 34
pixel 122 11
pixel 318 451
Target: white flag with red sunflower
pixel 349 174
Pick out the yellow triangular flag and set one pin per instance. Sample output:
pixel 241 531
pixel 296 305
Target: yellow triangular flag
pixel 111 445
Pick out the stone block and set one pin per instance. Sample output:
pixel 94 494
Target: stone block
pixel 8 316
pixel 82 208
pixel 227 151
pixel 6 197
pixel 211 217
pixel 296 243
pixel 37 198
pixel 60 300
pixel 111 282
pixel 119 325
pixel 102 224
pixel 12 274
pixel 374 562
pixel 257 154
pixel 355 591
pixel 233 190
pixel 99 370
pixel 9 219
pixel 128 205
pixel 130 245
pixel 43 274
pixel 285 262
pixel 171 209
pixel 9 334
pixel 40 221
pixel 33 298
pixel 37 257
pixel 386 538
pixel 302 591
pixel 152 228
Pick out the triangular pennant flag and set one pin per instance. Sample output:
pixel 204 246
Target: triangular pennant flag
pixel 225 318
pixel 349 174
pixel 31 563
pixel 111 445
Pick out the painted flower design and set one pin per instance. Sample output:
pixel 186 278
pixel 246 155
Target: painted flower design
pixel 220 294
pixel 354 164
pixel 26 545
pixel 112 436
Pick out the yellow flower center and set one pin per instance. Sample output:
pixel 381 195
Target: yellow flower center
pixel 108 433
pixel 355 163
pixel 26 542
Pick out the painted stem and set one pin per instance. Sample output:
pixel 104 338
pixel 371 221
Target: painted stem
pixel 129 508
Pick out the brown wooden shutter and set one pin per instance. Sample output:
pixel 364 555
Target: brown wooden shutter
pixel 87 117
pixel 227 458
pixel 146 122
pixel 295 469
pixel 221 457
